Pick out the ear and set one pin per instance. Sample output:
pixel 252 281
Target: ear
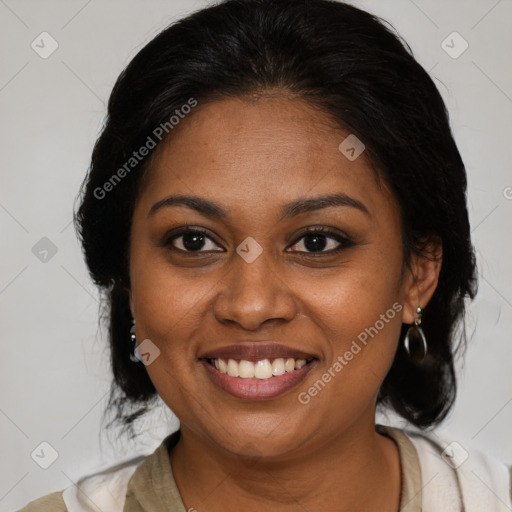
pixel 421 278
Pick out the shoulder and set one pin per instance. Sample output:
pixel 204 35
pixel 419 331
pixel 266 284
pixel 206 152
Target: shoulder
pixel 53 502
pixel 458 468
pixel 106 489
pixel 109 488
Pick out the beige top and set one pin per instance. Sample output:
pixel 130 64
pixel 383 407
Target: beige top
pixel 152 486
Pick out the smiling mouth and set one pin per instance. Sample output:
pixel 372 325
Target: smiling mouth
pixel 263 369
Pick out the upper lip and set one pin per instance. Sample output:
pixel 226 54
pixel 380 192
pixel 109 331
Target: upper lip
pixel 255 351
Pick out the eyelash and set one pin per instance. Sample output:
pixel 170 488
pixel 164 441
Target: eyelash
pixel 344 241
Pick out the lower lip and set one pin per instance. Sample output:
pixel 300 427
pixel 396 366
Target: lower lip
pixel 257 389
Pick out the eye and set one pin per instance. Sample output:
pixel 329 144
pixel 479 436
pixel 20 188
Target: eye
pixel 321 240
pixel 191 240
pixel 316 240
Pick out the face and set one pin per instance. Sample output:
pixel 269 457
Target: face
pixel 286 258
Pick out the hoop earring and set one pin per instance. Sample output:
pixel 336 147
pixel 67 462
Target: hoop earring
pixel 133 345
pixel 414 342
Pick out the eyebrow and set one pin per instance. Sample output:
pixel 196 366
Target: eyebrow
pixel 212 209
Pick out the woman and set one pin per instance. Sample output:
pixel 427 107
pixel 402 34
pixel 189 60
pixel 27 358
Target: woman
pixel 276 212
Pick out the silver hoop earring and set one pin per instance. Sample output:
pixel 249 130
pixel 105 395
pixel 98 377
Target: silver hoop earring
pixel 414 342
pixel 133 344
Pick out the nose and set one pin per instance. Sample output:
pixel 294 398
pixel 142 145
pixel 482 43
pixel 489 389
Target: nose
pixel 253 294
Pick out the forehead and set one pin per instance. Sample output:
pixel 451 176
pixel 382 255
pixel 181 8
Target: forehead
pixel 252 152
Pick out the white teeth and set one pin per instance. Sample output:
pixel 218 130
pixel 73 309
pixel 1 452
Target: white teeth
pixel 246 369
pixel 289 364
pixel 222 365
pixel 278 366
pixel 263 369
pixel 232 369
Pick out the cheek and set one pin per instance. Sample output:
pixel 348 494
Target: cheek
pixel 357 295
pixel 167 305
pixel 168 312
pixel 167 302
pixel 359 311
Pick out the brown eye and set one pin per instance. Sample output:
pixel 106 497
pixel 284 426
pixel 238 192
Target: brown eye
pixel 320 240
pixel 191 240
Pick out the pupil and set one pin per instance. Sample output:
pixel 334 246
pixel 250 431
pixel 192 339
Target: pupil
pixel 193 241
pixel 315 242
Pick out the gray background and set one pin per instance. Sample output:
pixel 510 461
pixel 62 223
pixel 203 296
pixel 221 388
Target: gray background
pixel 54 364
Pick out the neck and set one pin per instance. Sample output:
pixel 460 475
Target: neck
pixel 340 471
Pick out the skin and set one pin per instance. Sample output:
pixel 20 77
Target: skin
pixel 251 156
